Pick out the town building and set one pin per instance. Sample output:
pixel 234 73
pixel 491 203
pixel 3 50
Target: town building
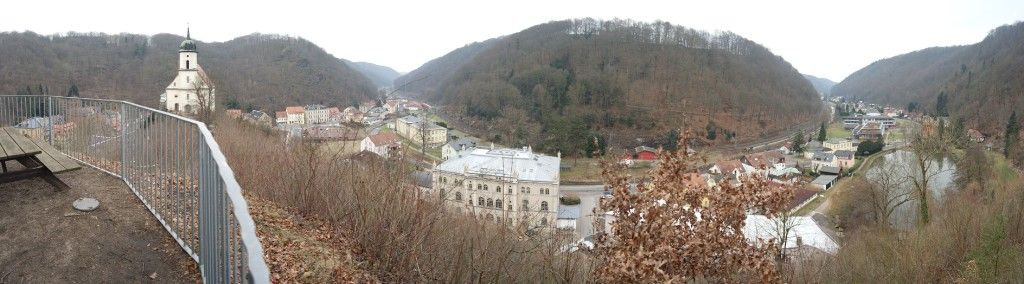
pixel 567 216
pixel 382 144
pixel 975 136
pixel 191 89
pixel 296 115
pixel 281 117
pixel 822 159
pixel 869 131
pixel 839 144
pixel 852 122
pixel 419 130
pixel 316 114
pixel 845 159
pixel 509 186
pixel 453 147
pixel 645 153
pixel 330 133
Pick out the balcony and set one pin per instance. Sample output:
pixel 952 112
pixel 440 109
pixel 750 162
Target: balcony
pixel 169 164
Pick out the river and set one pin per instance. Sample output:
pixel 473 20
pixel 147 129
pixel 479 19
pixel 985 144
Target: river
pixel 942 181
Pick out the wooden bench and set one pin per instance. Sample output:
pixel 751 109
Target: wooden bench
pixel 38 158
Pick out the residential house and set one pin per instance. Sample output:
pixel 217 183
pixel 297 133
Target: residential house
pixel 259 118
pixel 763 161
pixel 316 114
pixel 421 131
pixel 334 115
pixel 645 153
pixel 839 144
pixel 975 136
pixel 453 147
pixel 567 216
pixel 296 115
pixel 784 174
pixel 393 106
pixel 822 159
pixel 282 117
pixel 382 144
pixel 845 158
pixel 804 233
pixel 730 169
pixel 812 147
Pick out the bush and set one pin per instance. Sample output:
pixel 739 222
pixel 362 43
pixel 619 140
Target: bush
pixel 569 200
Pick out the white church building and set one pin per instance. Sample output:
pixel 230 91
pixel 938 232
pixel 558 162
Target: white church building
pixel 192 88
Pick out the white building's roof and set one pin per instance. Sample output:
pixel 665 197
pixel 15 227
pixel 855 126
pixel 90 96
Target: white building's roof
pixel 761 227
pixel 521 164
pixel 412 119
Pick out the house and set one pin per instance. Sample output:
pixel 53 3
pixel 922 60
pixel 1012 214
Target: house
pixel 784 174
pixel 829 170
pixel 282 117
pixel 382 144
pixel 452 148
pixel 296 115
pixel 764 160
pixel 567 216
pixel 730 169
pixel 334 115
pixel 234 113
pixel 803 233
pixel 645 153
pixel 838 144
pixel 316 114
pixel 824 182
pixel 812 147
pixel 801 196
pixel 822 159
pixel 975 136
pixel 259 118
pixel 393 106
pixel 421 131
pixel 845 158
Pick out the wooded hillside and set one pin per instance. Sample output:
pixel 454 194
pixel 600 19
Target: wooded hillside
pixel 822 85
pixel 261 71
pixel 427 77
pixel 981 82
pixel 381 76
pixel 556 84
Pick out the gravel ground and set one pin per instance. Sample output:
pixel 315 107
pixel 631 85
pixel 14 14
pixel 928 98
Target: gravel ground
pixel 44 240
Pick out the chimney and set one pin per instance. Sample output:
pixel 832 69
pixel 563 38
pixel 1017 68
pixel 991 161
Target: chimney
pixel 492 145
pixel 559 154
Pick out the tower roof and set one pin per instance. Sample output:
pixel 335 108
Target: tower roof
pixel 187 44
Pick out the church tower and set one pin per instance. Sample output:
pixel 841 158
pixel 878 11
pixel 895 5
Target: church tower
pixel 192 90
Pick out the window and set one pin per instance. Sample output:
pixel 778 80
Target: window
pixel 469 185
pixel 498 189
pixel 485 187
pixel 188 79
pixel 187 66
pixel 490 202
pixel 479 186
pixel 509 190
pixel 543 206
pixel 480 202
pixel 497 204
pixel 527 190
pixel 510 206
pixel 526 205
pixel 458 196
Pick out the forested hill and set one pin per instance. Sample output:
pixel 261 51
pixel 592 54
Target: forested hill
pixel 426 78
pixel 261 71
pixel 981 82
pixel 381 76
pixel 555 84
pixel 822 85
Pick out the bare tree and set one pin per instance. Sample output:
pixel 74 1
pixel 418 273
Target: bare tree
pixel 783 224
pixel 886 186
pixel 204 101
pixel 927 149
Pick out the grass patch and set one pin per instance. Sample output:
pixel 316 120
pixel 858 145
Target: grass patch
pixel 836 130
pixel 589 169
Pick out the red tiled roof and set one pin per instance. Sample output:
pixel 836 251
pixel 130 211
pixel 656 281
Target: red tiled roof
pixel 281 114
pixel 799 196
pixel 383 138
pixel 729 166
pixel 295 109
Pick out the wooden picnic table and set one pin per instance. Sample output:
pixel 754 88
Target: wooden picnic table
pixel 38 158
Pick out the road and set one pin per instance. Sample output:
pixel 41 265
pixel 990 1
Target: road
pixel 590 197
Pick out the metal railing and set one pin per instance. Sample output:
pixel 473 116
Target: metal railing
pixel 172 164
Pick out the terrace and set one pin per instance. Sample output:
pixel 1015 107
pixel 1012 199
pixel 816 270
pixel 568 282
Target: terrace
pixel 138 160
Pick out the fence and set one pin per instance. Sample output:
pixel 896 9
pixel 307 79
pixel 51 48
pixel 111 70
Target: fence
pixel 171 163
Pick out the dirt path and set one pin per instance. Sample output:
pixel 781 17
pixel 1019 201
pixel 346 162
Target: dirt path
pixel 44 240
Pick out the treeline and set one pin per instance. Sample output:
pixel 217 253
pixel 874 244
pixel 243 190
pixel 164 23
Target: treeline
pixel 254 71
pixel 622 81
pixel 980 82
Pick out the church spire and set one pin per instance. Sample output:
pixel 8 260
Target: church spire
pixel 188 32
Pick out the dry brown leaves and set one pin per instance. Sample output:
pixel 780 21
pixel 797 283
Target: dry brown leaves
pixel 672 230
pixel 303 250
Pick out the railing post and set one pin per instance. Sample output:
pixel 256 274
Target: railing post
pixel 124 141
pixel 49 119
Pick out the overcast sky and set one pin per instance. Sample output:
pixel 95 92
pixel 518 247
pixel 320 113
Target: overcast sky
pixel 819 37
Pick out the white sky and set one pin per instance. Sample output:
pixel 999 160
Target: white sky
pixel 819 37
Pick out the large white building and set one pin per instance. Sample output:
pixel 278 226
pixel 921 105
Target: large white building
pixel 192 88
pixel 316 114
pixel 512 186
